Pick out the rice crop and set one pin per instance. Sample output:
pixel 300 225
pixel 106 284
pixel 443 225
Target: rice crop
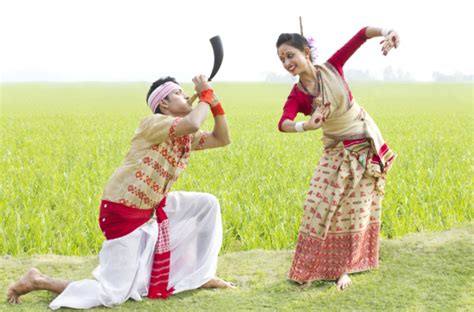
pixel 61 142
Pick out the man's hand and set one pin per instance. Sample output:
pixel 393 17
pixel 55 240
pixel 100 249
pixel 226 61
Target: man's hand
pixel 201 84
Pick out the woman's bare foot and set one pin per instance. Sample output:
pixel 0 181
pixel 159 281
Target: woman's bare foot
pixel 343 281
pixel 28 282
pixel 304 285
pixel 218 283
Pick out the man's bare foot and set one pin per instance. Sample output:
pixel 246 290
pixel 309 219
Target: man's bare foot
pixel 24 285
pixel 343 281
pixel 218 283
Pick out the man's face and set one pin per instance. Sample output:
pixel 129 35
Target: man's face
pixel 177 103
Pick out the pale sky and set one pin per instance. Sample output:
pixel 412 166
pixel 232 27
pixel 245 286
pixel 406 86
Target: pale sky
pixel 142 40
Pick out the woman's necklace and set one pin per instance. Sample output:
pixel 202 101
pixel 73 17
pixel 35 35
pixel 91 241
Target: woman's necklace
pixel 306 90
pixel 318 83
pixel 318 99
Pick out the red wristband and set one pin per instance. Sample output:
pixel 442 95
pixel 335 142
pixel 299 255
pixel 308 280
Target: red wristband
pixel 206 96
pixel 217 110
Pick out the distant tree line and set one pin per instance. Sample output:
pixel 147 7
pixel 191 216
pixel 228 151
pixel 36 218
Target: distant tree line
pixel 389 74
pixel 456 77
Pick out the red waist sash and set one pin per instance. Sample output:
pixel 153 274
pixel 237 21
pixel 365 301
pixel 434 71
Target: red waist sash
pixel 117 220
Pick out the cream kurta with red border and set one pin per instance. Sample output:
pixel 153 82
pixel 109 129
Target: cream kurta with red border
pixel 155 160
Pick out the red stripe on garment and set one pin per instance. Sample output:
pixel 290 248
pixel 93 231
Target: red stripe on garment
pixel 160 262
pixel 383 150
pixel 158 287
pixel 157 276
pixel 375 159
pixel 165 270
pixel 391 158
pixel 158 283
pixel 348 143
pixel 160 269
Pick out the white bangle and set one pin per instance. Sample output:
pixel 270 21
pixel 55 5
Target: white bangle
pixel 386 32
pixel 299 126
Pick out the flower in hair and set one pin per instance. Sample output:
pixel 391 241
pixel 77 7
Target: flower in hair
pixel 313 49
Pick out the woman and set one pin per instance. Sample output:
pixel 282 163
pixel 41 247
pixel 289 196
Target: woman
pixel 339 233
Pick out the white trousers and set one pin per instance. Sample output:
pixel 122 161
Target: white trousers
pixel 125 263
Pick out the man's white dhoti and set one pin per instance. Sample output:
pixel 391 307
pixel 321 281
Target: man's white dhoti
pixel 195 230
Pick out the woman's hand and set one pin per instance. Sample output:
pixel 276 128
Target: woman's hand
pixel 391 41
pixel 315 122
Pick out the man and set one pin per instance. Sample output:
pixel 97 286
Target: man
pixel 158 242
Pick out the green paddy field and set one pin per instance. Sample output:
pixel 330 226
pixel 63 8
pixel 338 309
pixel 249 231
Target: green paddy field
pixel 61 142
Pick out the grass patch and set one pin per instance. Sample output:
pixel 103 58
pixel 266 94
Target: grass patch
pixel 420 272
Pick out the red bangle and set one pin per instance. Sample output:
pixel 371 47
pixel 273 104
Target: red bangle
pixel 206 96
pixel 217 110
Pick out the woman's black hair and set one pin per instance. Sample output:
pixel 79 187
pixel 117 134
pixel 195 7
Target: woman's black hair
pixel 295 40
pixel 155 85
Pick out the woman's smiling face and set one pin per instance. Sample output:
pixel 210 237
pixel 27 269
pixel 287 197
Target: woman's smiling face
pixel 292 59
